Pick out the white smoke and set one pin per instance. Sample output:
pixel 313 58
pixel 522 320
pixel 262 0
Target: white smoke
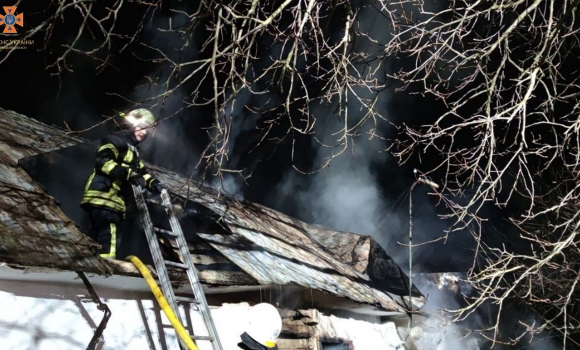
pixel 347 195
pixel 169 145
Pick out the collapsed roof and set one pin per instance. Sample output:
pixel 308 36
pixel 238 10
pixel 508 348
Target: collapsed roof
pixel 266 246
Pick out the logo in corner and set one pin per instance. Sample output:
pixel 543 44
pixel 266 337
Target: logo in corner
pixel 10 19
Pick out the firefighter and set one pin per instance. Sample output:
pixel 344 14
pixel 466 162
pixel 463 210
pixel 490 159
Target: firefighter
pixel 117 166
pixel 263 328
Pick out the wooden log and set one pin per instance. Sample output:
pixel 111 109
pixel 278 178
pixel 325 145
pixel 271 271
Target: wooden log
pixel 309 317
pixel 296 329
pixel 226 278
pixel 312 343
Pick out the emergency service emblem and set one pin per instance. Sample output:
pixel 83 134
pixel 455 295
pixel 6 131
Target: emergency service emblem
pixel 10 19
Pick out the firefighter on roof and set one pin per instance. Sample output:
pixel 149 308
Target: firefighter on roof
pixel 117 166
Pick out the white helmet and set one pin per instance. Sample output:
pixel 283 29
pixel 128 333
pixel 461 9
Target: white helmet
pixel 139 117
pixel 265 324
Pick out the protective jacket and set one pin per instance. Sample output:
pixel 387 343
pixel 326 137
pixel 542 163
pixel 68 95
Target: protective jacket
pixel 117 161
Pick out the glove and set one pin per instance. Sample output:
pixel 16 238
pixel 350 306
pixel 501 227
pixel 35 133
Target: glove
pixel 158 187
pixel 135 170
pixel 137 180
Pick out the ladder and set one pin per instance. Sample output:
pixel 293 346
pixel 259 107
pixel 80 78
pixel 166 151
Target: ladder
pixel 198 301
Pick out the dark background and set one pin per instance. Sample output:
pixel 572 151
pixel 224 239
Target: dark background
pixel 364 191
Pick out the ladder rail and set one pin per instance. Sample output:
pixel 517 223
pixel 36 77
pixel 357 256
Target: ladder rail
pixel 161 264
pixel 158 260
pixel 197 289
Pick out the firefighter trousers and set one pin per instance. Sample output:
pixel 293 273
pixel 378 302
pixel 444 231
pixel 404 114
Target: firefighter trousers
pixel 104 224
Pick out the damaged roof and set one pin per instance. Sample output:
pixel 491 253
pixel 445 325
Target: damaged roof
pixel 33 229
pixel 266 246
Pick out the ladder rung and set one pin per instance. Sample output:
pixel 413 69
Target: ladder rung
pixel 175 264
pixel 155 201
pixel 170 233
pixel 187 300
pixel 201 337
pixel 175 237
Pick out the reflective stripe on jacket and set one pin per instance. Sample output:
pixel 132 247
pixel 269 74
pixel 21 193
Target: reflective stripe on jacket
pixel 117 159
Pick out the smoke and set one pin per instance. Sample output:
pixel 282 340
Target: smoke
pixel 345 196
pixel 170 144
pixel 242 121
pixel 364 190
pixel 185 130
pixel 444 292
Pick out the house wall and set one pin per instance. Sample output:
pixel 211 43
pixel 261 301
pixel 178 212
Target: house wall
pixel 61 316
pixel 51 317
